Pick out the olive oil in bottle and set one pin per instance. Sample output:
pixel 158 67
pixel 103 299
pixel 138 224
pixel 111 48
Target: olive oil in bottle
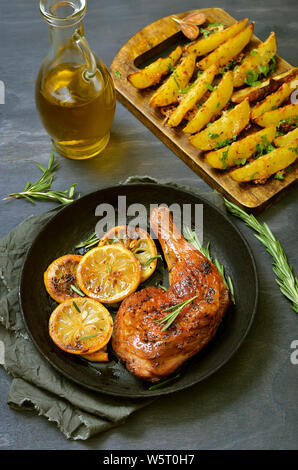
pixel 75 94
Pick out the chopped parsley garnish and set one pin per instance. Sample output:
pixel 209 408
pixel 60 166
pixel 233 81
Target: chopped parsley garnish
pixel 253 77
pixel 230 66
pixel 266 70
pixel 117 74
pixel 294 149
pixel 263 148
pixel 185 90
pixel 290 120
pixel 213 136
pixel 240 161
pixel 211 28
pixel 210 87
pixel 205 32
pixel 225 142
pixel 279 176
pixel 253 175
pixel 223 158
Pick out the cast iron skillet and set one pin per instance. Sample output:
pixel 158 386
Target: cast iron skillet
pixel 73 224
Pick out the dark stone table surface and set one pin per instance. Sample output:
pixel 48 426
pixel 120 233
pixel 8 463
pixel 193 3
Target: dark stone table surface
pixel 251 403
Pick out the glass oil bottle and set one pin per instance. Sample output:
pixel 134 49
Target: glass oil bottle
pixel 75 94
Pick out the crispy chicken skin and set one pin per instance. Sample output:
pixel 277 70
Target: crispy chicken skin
pixel 138 341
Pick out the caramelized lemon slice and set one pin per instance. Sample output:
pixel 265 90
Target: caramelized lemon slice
pixel 98 356
pixel 59 277
pixel 109 273
pixel 139 242
pixel 80 326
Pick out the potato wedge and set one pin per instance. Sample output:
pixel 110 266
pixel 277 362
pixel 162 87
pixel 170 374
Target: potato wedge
pixel 286 139
pixel 206 45
pixel 254 93
pixel 217 100
pixel 274 100
pixel 261 57
pixel 229 125
pixel 238 152
pixel 267 165
pixel 272 118
pixel 228 50
pixel 168 92
pixel 194 94
pixel 258 92
pixel 154 72
pixel 286 76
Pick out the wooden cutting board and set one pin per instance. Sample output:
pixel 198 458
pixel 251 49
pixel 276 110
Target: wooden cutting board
pixel 147 45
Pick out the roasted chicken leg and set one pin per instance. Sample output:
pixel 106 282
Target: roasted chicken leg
pixel 138 340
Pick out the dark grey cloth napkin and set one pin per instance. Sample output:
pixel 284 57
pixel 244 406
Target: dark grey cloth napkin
pixel 35 385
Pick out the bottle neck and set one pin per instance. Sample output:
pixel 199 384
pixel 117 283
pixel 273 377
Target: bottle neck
pixel 69 45
pixel 62 13
pixel 60 38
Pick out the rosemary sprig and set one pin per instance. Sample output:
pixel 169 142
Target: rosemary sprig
pixel 90 241
pixel 163 288
pixel 227 280
pixel 76 306
pixel 286 279
pixel 41 189
pixel 77 291
pixel 87 337
pixel 149 260
pixel 191 236
pixel 109 267
pixel 174 312
pixel 163 383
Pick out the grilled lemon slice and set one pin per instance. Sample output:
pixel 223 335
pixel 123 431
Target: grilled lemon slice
pixel 98 356
pixel 80 326
pixel 59 277
pixel 139 242
pixel 109 273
